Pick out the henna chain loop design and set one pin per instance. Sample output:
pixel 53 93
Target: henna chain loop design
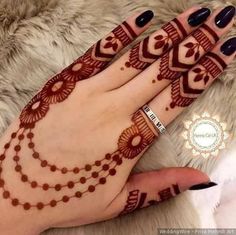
pixel 131 143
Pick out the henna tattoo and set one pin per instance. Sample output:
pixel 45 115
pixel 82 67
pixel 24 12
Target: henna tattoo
pixel 131 143
pixel 166 194
pixel 140 55
pixel 169 68
pixel 131 202
pixel 209 68
pixel 165 72
pixel 137 200
pixel 97 58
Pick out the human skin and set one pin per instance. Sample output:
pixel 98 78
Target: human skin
pixel 66 160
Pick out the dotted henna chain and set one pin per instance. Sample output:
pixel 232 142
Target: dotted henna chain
pixel 131 143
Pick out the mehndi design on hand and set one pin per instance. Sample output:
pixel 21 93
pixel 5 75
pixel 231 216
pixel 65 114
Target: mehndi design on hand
pixel 131 143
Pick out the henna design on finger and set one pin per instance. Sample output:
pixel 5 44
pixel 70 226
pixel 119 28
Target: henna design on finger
pixel 169 68
pixel 165 72
pixel 132 141
pixel 208 69
pixel 131 202
pixel 140 55
pixel 166 194
pixel 137 200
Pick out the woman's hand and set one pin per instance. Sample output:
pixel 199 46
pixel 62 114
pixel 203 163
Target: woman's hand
pixel 66 160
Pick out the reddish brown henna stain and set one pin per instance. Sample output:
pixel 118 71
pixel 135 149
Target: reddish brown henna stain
pixel 209 68
pixel 55 91
pixel 169 68
pixel 140 55
pixel 137 200
pixel 131 143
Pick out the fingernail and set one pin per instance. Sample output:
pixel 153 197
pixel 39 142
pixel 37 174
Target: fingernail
pixel 199 16
pixel 144 18
pixel 225 16
pixel 203 186
pixel 229 47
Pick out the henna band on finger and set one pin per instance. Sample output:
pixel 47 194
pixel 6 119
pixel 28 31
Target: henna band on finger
pixel 154 119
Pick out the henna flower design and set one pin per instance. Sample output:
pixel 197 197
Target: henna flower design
pixel 112 43
pixel 162 42
pixel 77 71
pixel 34 111
pixel 131 142
pixel 57 89
pixel 193 49
pixel 201 74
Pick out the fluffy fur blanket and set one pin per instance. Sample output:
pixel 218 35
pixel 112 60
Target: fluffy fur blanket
pixel 39 38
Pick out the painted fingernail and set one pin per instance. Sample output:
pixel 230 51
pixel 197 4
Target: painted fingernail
pixel 199 16
pixel 144 18
pixel 225 16
pixel 229 47
pixel 203 186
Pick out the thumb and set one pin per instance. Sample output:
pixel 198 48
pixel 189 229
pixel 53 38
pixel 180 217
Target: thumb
pixel 154 187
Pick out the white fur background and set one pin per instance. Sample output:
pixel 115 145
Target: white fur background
pixel 40 37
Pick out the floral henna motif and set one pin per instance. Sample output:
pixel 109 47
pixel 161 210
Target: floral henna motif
pixel 137 200
pixel 169 69
pixel 136 138
pixel 34 111
pixel 60 87
pixel 140 56
pixel 209 68
pixel 57 90
pixel 131 143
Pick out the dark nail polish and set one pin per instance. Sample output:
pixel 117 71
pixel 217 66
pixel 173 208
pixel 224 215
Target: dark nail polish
pixel 225 16
pixel 144 18
pixel 203 186
pixel 199 16
pixel 229 47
